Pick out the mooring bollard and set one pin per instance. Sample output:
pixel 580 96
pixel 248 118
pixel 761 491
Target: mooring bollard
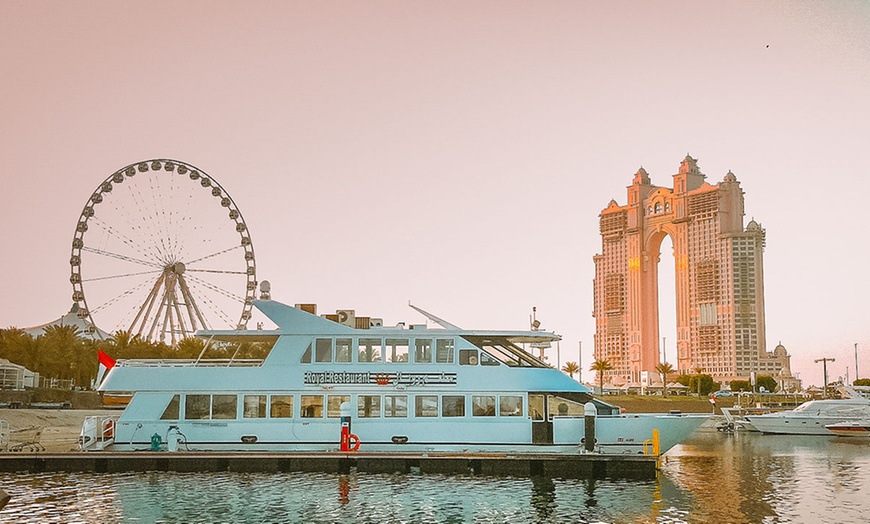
pixel 589 411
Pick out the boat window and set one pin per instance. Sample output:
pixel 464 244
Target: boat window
pixel 423 350
pixel 306 357
pixel 506 352
pixel 369 406
pixel 510 406
pixel 536 407
pixel 444 351
pixel 426 405
pixel 370 349
pixel 395 405
pixel 333 405
pixel 171 411
pixel 254 406
pixel 397 349
pixel 560 406
pixel 281 406
pixel 342 349
pixel 224 406
pixel 196 406
pixel 323 350
pixel 453 406
pixel 312 406
pixel 483 405
pixel 486 360
pixel 468 357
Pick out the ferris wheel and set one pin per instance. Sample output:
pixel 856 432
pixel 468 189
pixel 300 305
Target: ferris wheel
pixel 161 250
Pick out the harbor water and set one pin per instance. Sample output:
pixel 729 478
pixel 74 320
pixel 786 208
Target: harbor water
pixel 713 477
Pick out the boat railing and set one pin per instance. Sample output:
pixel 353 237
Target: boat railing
pixel 98 432
pixel 183 362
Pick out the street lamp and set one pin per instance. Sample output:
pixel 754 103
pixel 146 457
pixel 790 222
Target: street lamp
pixel 824 362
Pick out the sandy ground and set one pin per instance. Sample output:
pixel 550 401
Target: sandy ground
pixel 60 427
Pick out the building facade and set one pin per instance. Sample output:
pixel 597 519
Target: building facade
pixel 719 279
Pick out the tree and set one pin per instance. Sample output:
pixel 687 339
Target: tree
pixel 767 382
pixel 698 371
pixel 861 382
pixel 664 369
pixel 740 385
pixel 600 366
pixel 570 368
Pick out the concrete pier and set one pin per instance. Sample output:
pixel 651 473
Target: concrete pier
pixel 525 465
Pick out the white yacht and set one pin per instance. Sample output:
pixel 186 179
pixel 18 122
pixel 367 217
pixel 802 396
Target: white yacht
pixel 414 389
pixel 810 418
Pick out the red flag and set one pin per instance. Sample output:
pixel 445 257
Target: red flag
pixel 105 360
pixel 106 363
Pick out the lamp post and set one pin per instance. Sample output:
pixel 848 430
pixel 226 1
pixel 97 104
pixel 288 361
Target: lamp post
pixel 824 362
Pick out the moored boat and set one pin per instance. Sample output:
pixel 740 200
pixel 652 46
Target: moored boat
pixel 345 383
pixel 811 418
pixel 850 429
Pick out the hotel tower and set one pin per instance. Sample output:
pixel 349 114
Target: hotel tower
pixel 719 281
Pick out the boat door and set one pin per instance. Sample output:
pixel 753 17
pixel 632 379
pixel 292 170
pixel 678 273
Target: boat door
pixel 542 426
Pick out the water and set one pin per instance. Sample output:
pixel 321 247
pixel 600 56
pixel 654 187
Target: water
pixel 713 477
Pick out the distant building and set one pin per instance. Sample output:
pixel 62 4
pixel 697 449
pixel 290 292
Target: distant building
pixel 719 280
pixel 86 329
pixel 16 377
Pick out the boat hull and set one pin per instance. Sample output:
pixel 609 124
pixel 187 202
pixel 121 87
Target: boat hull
pixel 852 429
pixel 618 434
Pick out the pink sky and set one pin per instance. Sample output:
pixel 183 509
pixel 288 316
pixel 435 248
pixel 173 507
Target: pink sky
pixel 455 154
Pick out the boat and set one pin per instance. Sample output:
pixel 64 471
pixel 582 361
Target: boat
pixel 812 417
pixel 850 429
pixel 343 383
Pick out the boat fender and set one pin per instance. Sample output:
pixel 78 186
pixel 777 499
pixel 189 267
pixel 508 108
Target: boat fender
pixel 353 442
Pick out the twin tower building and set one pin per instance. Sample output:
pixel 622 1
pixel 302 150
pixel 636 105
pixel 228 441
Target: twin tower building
pixel 719 282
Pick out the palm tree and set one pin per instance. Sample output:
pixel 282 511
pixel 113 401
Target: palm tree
pixel 570 368
pixel 664 369
pixel 600 366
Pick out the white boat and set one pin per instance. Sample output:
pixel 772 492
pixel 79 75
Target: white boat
pixel 850 429
pixel 810 418
pixel 414 389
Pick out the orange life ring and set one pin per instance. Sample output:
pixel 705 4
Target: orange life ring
pixel 109 429
pixel 353 442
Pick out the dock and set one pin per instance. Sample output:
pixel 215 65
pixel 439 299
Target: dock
pixel 584 466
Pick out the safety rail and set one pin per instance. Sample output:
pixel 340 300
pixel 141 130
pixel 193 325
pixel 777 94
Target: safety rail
pixel 178 362
pixel 98 432
pixel 652 444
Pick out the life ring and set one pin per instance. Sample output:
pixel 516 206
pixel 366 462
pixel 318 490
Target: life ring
pixel 353 442
pixel 109 430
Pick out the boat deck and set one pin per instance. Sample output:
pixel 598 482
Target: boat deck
pixel 524 465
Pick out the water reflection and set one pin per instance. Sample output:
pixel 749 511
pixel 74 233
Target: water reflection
pixel 712 478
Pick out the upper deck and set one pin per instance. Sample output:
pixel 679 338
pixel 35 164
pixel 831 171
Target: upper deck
pixel 307 350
